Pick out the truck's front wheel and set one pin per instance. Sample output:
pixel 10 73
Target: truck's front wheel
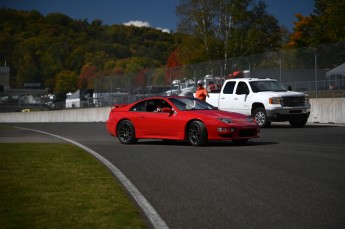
pixel 260 117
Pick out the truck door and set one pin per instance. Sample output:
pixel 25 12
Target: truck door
pixel 226 97
pixel 241 103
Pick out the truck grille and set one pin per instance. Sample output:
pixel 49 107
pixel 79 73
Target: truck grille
pixel 293 101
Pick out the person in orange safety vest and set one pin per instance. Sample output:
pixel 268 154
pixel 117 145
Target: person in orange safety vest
pixel 201 92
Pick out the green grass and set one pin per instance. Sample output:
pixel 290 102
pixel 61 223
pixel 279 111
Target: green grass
pixel 50 185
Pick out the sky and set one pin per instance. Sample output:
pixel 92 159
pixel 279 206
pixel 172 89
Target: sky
pixel 158 14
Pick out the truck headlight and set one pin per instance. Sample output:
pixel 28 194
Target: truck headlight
pixel 274 100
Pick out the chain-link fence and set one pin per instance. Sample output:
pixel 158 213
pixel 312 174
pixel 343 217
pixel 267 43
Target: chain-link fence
pixel 318 71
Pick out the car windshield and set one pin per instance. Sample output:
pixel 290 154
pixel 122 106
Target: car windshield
pixel 185 104
pixel 266 85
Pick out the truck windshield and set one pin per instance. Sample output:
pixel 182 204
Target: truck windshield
pixel 266 85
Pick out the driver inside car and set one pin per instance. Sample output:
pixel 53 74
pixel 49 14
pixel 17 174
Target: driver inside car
pixel 158 107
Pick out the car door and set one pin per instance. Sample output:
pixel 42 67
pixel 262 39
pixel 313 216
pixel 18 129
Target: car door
pixel 158 124
pixel 227 96
pixel 241 98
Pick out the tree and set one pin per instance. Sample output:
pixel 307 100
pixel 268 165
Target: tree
pixel 330 20
pixel 302 29
pixel 88 73
pixel 261 32
pixel 211 22
pixel 66 81
pixel 227 28
pixel 325 25
pixel 39 48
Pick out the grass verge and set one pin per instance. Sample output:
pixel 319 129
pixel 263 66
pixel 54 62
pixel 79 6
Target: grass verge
pixel 53 185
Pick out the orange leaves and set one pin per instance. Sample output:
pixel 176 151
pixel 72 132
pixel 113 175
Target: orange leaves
pixel 302 31
pixel 88 72
pixel 172 60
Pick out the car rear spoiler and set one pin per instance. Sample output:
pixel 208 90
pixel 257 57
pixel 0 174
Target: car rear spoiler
pixel 119 105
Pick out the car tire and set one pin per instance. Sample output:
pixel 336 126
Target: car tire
pixel 298 123
pixel 126 132
pixel 197 133
pixel 260 117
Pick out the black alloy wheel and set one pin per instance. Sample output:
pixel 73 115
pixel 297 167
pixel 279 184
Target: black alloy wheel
pixel 126 132
pixel 197 133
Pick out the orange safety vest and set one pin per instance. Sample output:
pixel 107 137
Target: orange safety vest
pixel 201 93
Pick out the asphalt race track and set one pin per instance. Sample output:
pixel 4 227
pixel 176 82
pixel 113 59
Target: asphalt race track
pixel 288 178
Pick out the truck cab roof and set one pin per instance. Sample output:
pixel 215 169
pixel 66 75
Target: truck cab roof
pixel 252 79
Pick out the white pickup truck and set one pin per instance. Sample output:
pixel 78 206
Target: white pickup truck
pixel 266 100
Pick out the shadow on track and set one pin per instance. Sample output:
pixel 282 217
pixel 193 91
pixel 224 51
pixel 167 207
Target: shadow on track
pixel 308 126
pixel 210 144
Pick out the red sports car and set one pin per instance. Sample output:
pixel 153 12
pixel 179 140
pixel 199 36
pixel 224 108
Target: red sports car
pixel 178 118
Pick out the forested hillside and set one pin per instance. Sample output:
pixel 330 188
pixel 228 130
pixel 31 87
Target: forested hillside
pixel 63 54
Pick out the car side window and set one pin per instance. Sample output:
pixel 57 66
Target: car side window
pixel 138 107
pixel 156 105
pixel 229 88
pixel 150 106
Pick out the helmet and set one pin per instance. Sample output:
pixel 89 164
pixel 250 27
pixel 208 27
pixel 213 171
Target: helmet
pixel 200 82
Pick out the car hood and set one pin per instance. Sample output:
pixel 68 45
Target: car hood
pixel 236 117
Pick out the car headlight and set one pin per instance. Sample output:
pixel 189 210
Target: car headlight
pixel 275 100
pixel 225 120
pixel 250 119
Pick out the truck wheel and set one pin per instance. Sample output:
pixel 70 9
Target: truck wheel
pixel 260 117
pixel 298 123
pixel 197 134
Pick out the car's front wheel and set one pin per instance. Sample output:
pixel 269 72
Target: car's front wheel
pixel 197 133
pixel 126 132
pixel 260 117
